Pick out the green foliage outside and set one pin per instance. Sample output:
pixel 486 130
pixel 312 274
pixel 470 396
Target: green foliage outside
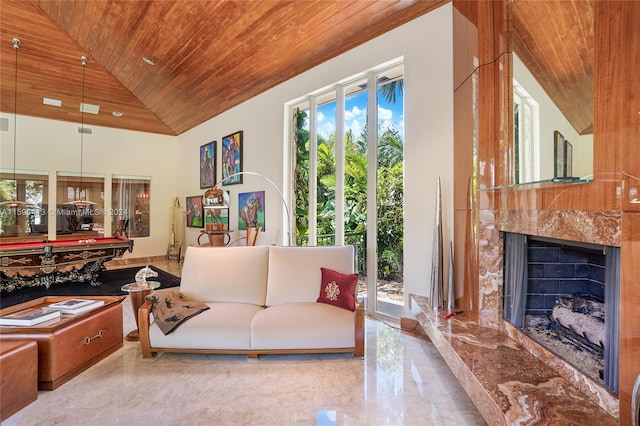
pixel 34 190
pixel 389 189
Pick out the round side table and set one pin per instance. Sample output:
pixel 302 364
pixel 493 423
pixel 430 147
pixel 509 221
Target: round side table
pixel 137 293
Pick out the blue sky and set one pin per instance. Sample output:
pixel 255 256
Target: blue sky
pixel 356 115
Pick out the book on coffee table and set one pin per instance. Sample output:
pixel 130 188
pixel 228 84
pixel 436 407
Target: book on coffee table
pixel 29 316
pixel 74 306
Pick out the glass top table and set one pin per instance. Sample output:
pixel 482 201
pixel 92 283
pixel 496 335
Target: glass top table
pixel 137 293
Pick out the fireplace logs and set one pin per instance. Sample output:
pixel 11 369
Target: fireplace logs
pixel 583 316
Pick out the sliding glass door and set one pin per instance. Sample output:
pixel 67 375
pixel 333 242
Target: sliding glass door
pixel 348 184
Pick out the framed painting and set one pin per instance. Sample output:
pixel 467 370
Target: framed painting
pixel 195 213
pixel 560 155
pixel 208 165
pixel 568 150
pixel 251 210
pixel 216 219
pixel 232 158
pixel 221 216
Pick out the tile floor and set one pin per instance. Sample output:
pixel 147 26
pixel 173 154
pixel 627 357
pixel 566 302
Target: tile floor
pixel 401 381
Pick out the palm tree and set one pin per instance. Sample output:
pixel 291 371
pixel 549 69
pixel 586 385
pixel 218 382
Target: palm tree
pixel 388 89
pixel 389 184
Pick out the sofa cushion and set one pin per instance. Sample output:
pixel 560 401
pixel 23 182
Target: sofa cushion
pixel 306 325
pixel 223 326
pixel 294 272
pixel 338 289
pixel 225 274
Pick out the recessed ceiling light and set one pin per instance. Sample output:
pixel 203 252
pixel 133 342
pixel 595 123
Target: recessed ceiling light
pixel 52 102
pixel 149 60
pixel 117 114
pixel 89 108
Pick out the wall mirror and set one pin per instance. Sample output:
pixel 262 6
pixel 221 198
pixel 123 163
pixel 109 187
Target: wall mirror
pixel 553 44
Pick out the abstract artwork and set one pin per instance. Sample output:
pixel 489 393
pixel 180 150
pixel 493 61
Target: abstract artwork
pixel 251 210
pixel 232 158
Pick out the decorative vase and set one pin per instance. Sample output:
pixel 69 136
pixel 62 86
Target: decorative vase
pixel 437 280
pixel 450 283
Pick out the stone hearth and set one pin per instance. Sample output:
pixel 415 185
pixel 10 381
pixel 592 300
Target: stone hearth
pixel 504 379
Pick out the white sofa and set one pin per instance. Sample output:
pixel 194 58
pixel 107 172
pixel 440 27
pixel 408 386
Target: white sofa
pixel 262 300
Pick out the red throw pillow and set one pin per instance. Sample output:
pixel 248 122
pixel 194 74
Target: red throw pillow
pixel 338 289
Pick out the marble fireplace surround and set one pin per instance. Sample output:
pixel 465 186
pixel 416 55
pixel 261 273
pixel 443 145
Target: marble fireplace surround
pixel 550 268
pixel 589 226
pixel 509 376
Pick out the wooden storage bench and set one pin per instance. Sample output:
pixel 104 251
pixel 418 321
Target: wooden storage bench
pixel 72 343
pixel 18 376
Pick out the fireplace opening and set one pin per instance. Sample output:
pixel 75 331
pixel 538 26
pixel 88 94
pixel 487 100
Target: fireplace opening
pixel 563 294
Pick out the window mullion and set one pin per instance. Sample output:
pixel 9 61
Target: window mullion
pixel 340 136
pixel 372 207
pixel 313 171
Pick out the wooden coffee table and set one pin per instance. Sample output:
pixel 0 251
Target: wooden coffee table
pixel 72 343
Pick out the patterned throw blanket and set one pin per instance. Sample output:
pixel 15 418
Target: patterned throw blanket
pixel 171 309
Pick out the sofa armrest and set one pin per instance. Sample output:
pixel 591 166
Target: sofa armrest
pixel 143 328
pixel 360 332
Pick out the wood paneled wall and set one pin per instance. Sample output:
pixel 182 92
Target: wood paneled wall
pixel 480 46
pixel 617 137
pixel 608 205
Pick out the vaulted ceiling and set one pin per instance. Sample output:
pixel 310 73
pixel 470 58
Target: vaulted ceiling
pixel 555 40
pixel 213 55
pixel 209 55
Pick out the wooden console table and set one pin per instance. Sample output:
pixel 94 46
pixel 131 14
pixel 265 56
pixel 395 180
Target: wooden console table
pixel 72 343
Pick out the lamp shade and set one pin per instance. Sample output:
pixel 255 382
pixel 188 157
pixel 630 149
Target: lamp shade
pixel 215 198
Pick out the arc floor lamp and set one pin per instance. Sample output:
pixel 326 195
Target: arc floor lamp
pixel 215 197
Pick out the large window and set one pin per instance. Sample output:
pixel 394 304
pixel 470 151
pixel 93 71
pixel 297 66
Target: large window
pixel 525 134
pixel 130 206
pixel 80 204
pixel 27 187
pixel 348 184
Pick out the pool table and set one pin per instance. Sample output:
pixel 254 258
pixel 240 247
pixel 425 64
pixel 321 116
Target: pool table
pixel 33 263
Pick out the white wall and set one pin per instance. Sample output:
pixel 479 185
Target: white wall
pixel 426 45
pixel 52 146
pixel 173 162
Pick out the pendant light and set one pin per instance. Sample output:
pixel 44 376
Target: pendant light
pixel 15 204
pixel 81 202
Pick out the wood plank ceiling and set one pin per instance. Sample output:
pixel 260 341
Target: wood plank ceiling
pixel 555 40
pixel 213 55
pixel 210 55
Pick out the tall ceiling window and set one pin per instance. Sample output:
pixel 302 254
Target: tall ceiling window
pixel 525 132
pixel 32 188
pixel 130 206
pixel 348 177
pixel 74 218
